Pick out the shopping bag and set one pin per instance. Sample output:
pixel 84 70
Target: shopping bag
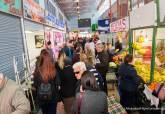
pixel 114 107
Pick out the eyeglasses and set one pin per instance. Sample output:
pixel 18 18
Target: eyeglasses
pixel 77 72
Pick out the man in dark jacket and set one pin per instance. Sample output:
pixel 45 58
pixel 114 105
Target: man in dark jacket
pixel 102 60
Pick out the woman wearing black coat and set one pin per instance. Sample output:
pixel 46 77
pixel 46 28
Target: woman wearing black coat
pixel 68 81
pixel 128 83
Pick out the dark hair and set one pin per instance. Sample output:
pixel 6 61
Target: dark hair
pixel 49 42
pixel 88 81
pixel 128 58
pixel 67 61
pixel 61 52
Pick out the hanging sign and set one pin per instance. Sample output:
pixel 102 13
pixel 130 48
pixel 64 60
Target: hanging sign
pixel 33 11
pixel 11 6
pixel 118 26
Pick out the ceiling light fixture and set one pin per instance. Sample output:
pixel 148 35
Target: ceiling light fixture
pixel 76 1
pixel 78 7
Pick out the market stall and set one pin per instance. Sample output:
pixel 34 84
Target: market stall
pixel 148 44
pixel 119 31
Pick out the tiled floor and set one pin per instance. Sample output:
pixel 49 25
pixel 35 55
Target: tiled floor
pixel 112 91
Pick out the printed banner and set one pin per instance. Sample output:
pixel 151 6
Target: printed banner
pixel 11 6
pixel 33 11
pixel 118 26
pixel 53 21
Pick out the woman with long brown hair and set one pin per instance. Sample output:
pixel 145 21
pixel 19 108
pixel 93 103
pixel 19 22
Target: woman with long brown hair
pixel 46 83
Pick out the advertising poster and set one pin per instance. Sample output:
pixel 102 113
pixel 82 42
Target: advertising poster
pixel 33 11
pixel 11 6
pixel 58 37
pixel 39 41
pixel 51 20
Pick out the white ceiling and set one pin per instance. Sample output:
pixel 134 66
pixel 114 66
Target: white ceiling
pixel 86 7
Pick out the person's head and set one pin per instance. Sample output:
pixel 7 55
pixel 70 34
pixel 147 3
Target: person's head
pixel 46 66
pixel 67 61
pixel 88 81
pixel 61 58
pixel 99 47
pixel 79 68
pixel 83 57
pixel 78 49
pixel 88 57
pixel 128 59
pixel 49 44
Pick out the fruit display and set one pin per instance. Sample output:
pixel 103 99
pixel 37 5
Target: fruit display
pixel 142 51
pixel 140 39
pixel 142 47
pixel 136 46
pixel 119 57
pixel 153 86
pixel 143 70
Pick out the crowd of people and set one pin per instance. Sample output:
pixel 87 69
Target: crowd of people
pixel 77 78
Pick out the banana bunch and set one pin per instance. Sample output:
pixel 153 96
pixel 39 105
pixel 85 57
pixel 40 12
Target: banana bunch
pixel 143 70
pixel 140 39
pixel 141 51
pixel 136 46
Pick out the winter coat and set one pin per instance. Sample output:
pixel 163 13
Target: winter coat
pixel 12 99
pixel 55 84
pixel 93 102
pixel 68 82
pixel 102 65
pixel 129 80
